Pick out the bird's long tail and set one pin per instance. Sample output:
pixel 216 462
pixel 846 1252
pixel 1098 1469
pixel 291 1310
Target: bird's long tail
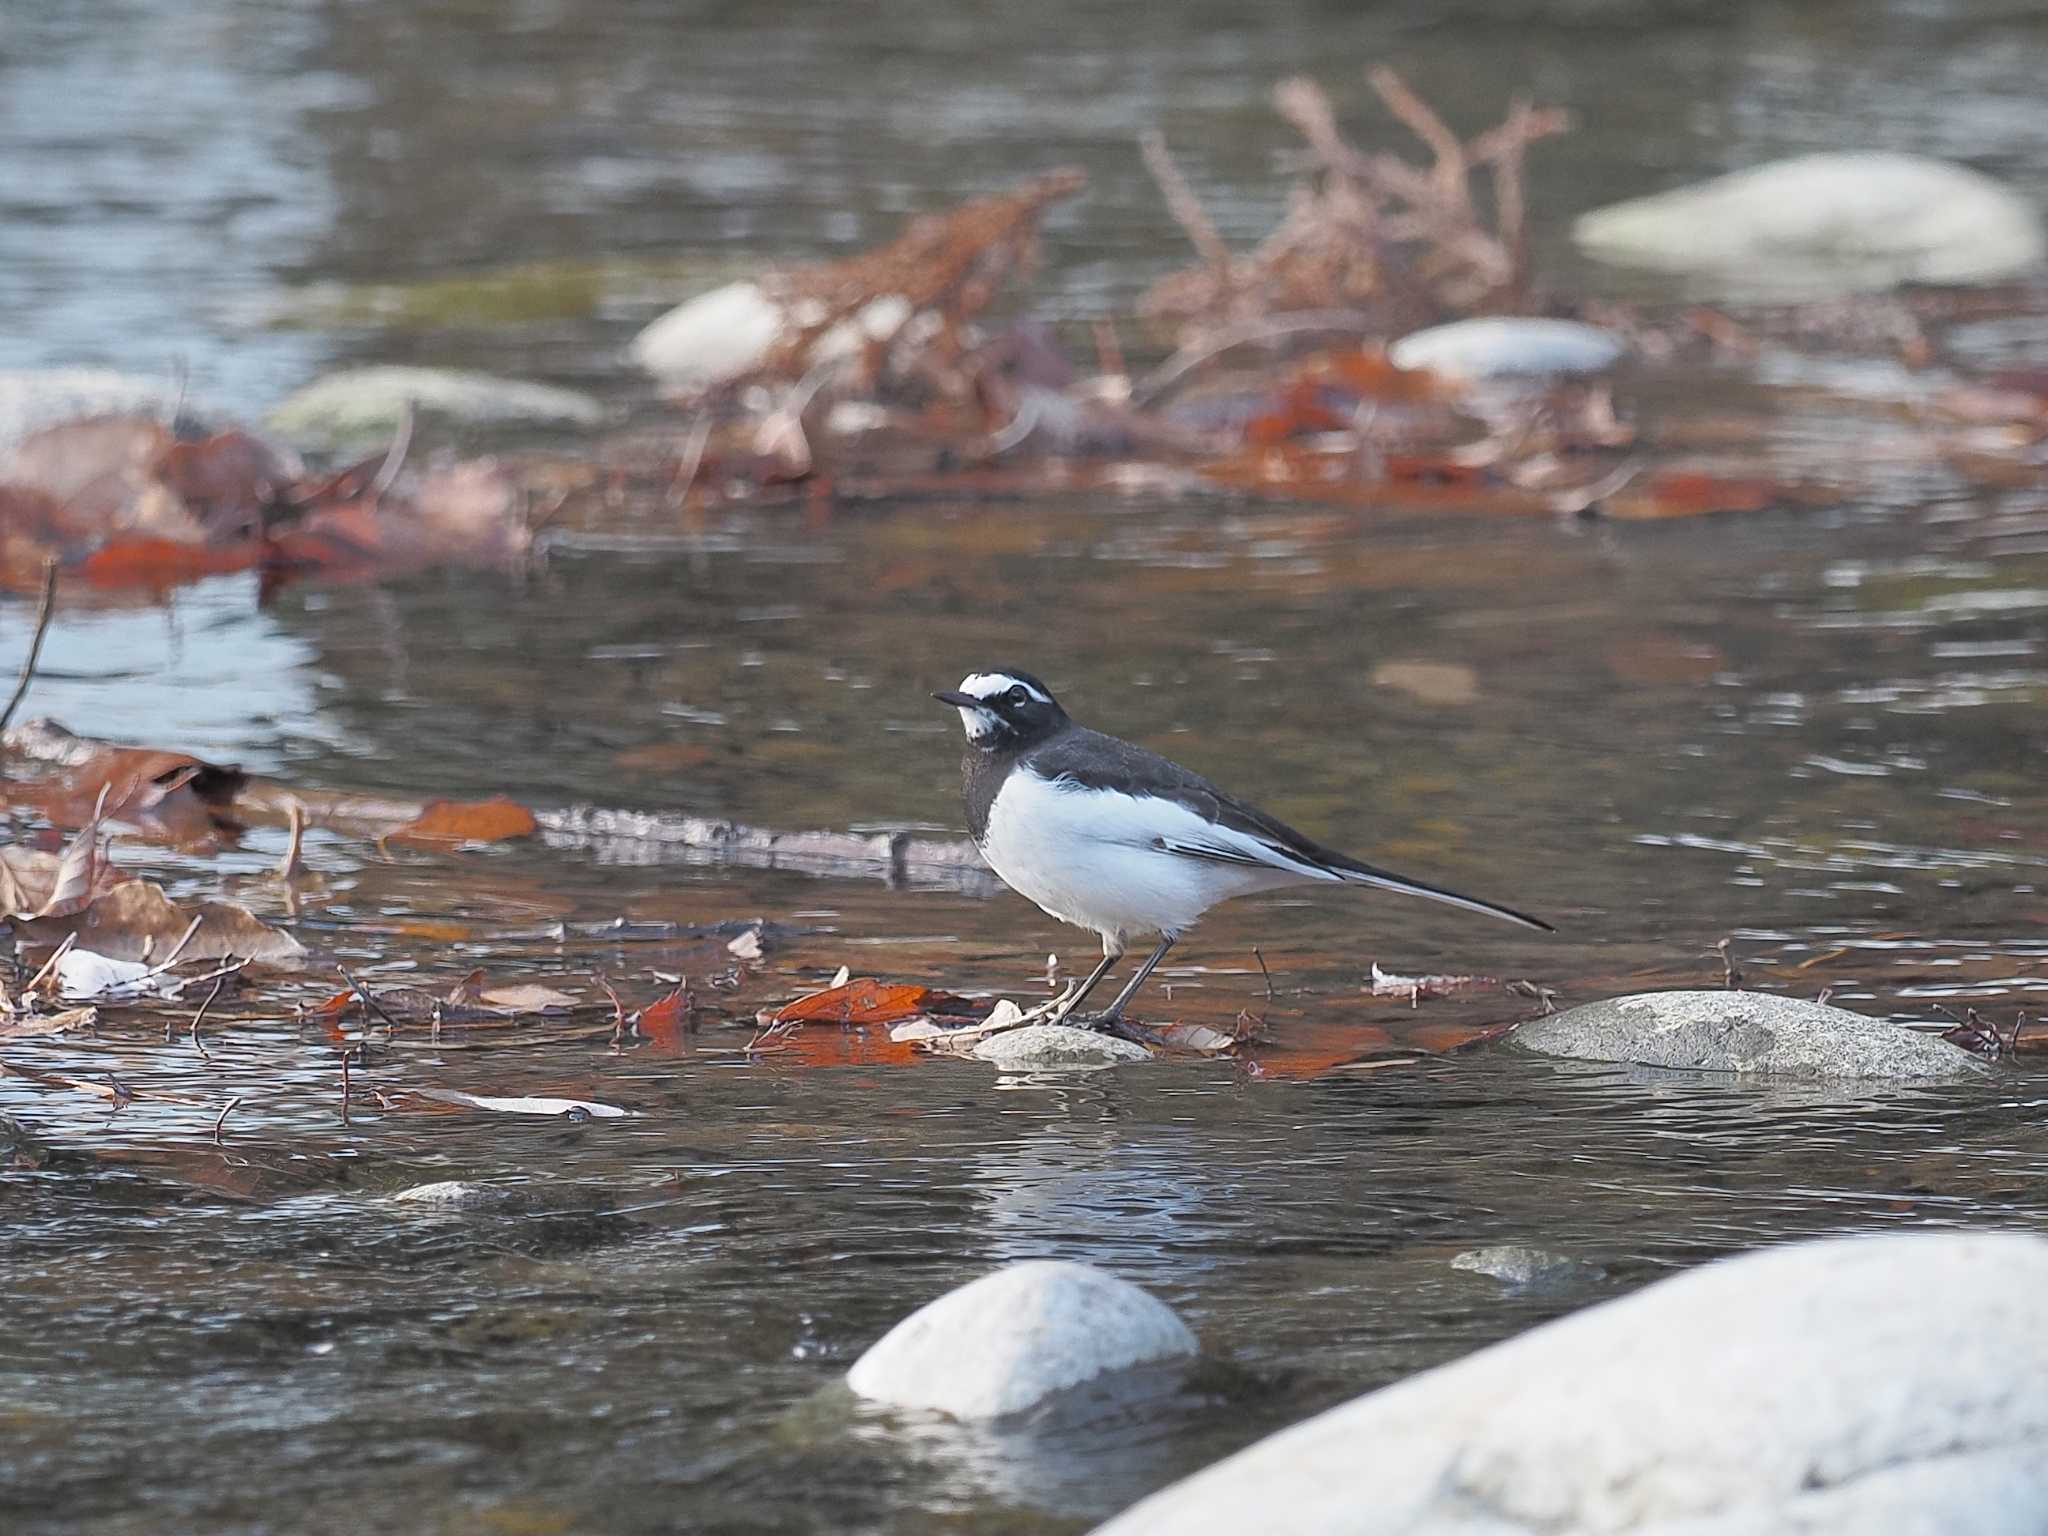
pixel 1353 872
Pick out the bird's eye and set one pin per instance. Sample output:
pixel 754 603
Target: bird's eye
pixel 1017 695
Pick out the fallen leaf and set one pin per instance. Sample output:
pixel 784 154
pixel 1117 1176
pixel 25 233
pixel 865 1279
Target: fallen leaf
pixel 469 821
pixel 1693 493
pixel 169 793
pixel 1200 1038
pixel 1433 682
pixel 666 1019
pixel 863 1001
pixel 521 1106
pixel 136 921
pixel 529 997
pixel 83 974
pixel 1414 988
pixel 747 946
pixel 34 884
pixel 35 1026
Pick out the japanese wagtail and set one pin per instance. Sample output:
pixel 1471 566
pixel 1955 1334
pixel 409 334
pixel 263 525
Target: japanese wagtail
pixel 1106 835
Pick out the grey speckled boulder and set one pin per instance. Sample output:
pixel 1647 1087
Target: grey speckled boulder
pixel 1015 1337
pixel 1894 1384
pixel 1057 1045
pixel 1759 1032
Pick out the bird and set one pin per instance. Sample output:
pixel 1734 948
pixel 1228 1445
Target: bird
pixel 1106 835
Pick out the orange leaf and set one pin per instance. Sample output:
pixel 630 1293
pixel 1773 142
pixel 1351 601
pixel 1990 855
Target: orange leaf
pixel 1693 493
pixel 142 561
pixel 666 1019
pixel 469 821
pixel 864 1000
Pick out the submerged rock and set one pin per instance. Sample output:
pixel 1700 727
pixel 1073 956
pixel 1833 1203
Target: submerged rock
pixel 1746 1032
pixel 360 405
pixel 466 1195
pixel 1015 1337
pixel 1895 1383
pixel 1057 1045
pixel 1531 1271
pixel 1826 222
pixel 733 332
pixel 1508 347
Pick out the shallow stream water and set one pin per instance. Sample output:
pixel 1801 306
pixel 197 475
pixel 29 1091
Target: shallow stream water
pixel 1816 733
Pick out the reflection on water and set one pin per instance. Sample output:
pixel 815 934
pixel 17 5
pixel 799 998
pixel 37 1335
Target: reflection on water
pixel 1817 734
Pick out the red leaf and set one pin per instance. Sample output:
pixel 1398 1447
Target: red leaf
pixel 864 1000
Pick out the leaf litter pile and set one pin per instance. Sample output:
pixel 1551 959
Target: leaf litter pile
pixel 1279 373
pixel 1315 367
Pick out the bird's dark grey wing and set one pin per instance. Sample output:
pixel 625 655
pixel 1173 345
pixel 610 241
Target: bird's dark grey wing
pixel 1096 761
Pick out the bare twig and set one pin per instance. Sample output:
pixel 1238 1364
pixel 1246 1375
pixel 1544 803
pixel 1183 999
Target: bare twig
pixel 394 458
pixel 1731 973
pixel 618 1013
pixel 1185 207
pixel 225 1110
pixel 1264 972
pixel 369 1002
pixel 199 1044
pixel 35 645
pixel 291 866
pixel 50 965
pixel 692 458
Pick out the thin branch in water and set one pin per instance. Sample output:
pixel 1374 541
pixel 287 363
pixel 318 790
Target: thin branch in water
pixel 691 460
pixel 1264 972
pixel 370 1003
pixel 291 866
pixel 1186 208
pixel 226 1110
pixel 51 964
pixel 394 458
pixel 1731 973
pixel 35 645
pixel 618 1014
pixel 344 1083
pixel 197 1043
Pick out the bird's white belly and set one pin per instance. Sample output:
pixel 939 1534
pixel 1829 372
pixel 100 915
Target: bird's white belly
pixel 1087 858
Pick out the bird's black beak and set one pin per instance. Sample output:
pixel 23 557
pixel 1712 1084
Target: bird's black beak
pixel 957 699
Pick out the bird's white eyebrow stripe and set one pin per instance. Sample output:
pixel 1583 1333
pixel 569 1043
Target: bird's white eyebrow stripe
pixel 986 685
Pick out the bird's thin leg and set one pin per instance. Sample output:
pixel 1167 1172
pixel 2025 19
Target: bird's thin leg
pixel 1116 1009
pixel 1109 958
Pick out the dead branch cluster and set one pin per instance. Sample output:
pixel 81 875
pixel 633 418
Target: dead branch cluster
pixel 1404 243
pixel 916 297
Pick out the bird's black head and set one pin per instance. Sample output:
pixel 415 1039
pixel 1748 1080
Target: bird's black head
pixel 1005 710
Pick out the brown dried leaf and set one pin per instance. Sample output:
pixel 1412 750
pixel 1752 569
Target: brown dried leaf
pixel 137 921
pixel 31 1026
pixel 469 821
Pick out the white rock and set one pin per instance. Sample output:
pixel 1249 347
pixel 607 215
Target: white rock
pixel 1015 1337
pixel 731 332
pixel 360 404
pixel 712 339
pixel 1508 346
pixel 1057 1045
pixel 1895 1383
pixel 1826 222
pixel 1747 1032
pixel 34 398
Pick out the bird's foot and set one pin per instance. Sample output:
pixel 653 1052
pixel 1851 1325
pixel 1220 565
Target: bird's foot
pixel 1111 1023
